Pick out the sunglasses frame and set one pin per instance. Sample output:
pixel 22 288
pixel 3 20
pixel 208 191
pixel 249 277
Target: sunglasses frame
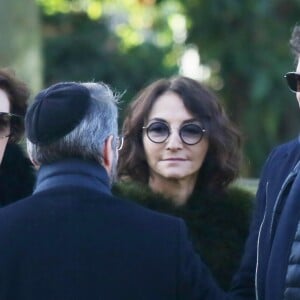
pixel 292 79
pixel 120 142
pixel 169 133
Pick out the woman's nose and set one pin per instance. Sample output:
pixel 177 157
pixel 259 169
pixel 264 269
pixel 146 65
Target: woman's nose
pixel 174 141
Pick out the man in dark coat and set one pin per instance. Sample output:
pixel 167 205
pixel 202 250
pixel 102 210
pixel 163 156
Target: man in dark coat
pixel 270 269
pixel 72 239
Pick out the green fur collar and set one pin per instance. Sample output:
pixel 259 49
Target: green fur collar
pixel 218 223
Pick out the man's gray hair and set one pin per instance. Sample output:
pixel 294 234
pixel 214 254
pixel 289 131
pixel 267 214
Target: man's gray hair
pixel 86 140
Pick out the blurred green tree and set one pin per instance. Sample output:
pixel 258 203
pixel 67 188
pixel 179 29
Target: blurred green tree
pixel 20 47
pixel 81 43
pixel 250 41
pixel 128 43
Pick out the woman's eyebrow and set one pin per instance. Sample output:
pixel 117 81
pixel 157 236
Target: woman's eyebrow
pixel 192 120
pixel 158 120
pixel 187 121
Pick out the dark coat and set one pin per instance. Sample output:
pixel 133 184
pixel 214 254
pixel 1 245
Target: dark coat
pixel 218 223
pixel 17 175
pixel 73 240
pixel 272 230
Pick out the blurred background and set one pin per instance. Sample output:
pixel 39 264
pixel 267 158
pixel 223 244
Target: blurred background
pixel 240 49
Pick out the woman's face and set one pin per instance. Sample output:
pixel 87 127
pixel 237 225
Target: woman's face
pixel 4 107
pixel 173 159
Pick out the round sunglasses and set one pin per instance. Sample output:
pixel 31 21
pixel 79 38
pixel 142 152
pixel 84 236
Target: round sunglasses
pixel 190 134
pixel 293 81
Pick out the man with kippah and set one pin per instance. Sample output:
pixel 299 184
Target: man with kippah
pixel 72 239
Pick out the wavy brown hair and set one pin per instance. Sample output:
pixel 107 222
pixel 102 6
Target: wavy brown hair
pixel 18 95
pixel 222 163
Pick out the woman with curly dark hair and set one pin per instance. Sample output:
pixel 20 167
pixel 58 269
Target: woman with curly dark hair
pixel 17 175
pixel 180 154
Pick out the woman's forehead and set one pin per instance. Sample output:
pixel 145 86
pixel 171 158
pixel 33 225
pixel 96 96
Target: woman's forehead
pixel 169 106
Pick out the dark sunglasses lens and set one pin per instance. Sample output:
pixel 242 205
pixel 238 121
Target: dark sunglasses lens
pixel 191 134
pixel 158 132
pixel 5 121
pixel 293 81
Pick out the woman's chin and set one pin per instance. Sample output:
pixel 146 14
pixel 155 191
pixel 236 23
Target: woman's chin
pixel 173 175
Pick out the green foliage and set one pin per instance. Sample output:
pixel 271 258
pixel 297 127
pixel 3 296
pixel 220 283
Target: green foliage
pixel 78 48
pixel 250 40
pixel 129 43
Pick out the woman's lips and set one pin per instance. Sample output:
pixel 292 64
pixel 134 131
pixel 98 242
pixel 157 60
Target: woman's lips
pixel 174 159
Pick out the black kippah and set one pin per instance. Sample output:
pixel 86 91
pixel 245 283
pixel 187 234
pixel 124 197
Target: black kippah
pixel 56 111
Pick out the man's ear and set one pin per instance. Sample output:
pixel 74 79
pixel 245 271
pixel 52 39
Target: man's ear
pixel 108 154
pixel 34 163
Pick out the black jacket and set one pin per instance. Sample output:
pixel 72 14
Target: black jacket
pixel 17 175
pixel 73 240
pixel 264 265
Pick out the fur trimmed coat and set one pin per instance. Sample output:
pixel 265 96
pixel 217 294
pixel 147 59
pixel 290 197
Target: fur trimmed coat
pixel 218 223
pixel 17 175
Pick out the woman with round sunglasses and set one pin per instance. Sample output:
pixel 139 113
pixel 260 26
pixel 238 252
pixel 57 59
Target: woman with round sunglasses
pixel 17 176
pixel 180 155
